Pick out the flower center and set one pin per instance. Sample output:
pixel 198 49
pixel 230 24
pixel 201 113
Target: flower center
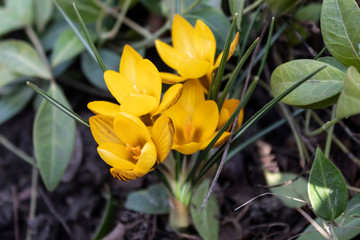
pixel 189 130
pixel 135 150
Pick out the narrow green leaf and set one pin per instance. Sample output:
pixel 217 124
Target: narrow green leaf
pixel 318 92
pixel 153 200
pixel 281 7
pixel 22 59
pixel 207 221
pixel 66 47
pixel 237 6
pixel 14 101
pixel 333 62
pixel 349 100
pixel 347 225
pixel 340 30
pixel 54 138
pixel 43 13
pixel 327 188
pixel 88 9
pixel 296 189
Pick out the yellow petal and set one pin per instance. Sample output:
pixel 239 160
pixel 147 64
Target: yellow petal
pixel 163 136
pixel 147 159
pixel 224 116
pixel 219 142
pixel 170 78
pixel 138 104
pixel 171 96
pixel 204 42
pixel 191 96
pixel 148 79
pixel 101 127
pixel 116 155
pixel 240 118
pixel 171 56
pixel 129 59
pixel 131 130
pixel 194 68
pixel 118 85
pixel 179 116
pixel 206 118
pixel 126 175
pixel 182 36
pixel 231 51
pixel 188 148
pixel 104 108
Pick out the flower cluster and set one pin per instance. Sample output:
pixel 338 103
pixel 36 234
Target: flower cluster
pixel 139 131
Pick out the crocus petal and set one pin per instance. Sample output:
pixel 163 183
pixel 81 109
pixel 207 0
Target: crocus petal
pixel 126 175
pixel 170 78
pixel 118 85
pixel 191 96
pixel 179 116
pixel 101 127
pixel 220 141
pixel 129 59
pixel 206 118
pixel 188 148
pixel 204 42
pixel 163 136
pixel 104 108
pixel 138 104
pixel 116 155
pixel 224 116
pixel 240 118
pixel 131 130
pixel 147 159
pixel 171 96
pixel 148 79
pixel 182 35
pixel 194 68
pixel 231 51
pixel 171 56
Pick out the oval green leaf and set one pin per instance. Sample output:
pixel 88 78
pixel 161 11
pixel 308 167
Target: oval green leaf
pixel 206 222
pixel 54 139
pixel 333 62
pixel 327 188
pixel 349 100
pixel 67 46
pixel 318 92
pixel 43 13
pixel 6 75
pixel 21 58
pixel 340 30
pixel 296 189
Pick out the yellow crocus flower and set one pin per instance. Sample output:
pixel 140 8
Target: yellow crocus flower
pixel 137 87
pixel 126 144
pixel 195 120
pixel 227 109
pixel 193 52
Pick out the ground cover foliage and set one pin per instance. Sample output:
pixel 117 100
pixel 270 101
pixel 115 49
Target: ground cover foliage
pixel 288 168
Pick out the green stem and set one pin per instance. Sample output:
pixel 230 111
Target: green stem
pixel 330 133
pixel 252 6
pixel 324 127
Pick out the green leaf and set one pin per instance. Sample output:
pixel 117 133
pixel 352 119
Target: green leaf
pixel 21 58
pixel 327 188
pixel 162 7
pixel 14 101
pixel 6 75
pixel 347 225
pixel 349 99
pixel 92 70
pixel 318 92
pixel 43 13
pixel 52 33
pixel 237 6
pixel 333 62
pixel 340 30
pixel 89 10
pixel 206 222
pixel 66 47
pixel 54 138
pixel 153 200
pixel 282 7
pixel 296 189
pixel 22 10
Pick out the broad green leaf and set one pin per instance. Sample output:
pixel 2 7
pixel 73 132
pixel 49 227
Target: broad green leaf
pixel 52 33
pixel 282 7
pixel 43 13
pixel 92 70
pixel 67 46
pixel 349 100
pixel 22 10
pixel 327 188
pixel 21 58
pixel 347 224
pixel 7 75
pixel 153 200
pixel 333 62
pixel 14 101
pixel 340 30
pixel 8 22
pixel 54 139
pixel 206 222
pixel 237 6
pixel 215 20
pixel 89 10
pixel 296 189
pixel 319 91
pixel 162 7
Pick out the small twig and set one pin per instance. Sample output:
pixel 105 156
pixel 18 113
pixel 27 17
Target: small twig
pixel 314 223
pixel 15 201
pixel 33 198
pixel 285 183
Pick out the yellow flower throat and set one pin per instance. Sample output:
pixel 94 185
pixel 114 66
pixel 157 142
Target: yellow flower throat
pixel 135 150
